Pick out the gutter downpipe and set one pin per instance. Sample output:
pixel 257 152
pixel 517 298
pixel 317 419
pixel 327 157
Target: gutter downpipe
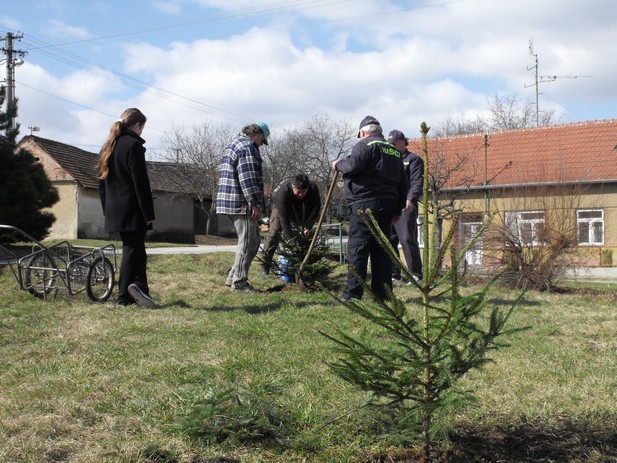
pixel 486 197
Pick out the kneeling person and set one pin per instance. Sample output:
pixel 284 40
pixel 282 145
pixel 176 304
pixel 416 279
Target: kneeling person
pixel 296 204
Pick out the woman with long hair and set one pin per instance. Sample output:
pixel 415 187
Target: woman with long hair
pixel 126 197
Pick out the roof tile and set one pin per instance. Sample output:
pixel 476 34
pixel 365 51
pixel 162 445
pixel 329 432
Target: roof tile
pixel 580 152
pixel 82 166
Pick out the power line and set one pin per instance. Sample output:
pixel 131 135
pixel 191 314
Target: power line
pixel 240 13
pixel 76 61
pixel 56 51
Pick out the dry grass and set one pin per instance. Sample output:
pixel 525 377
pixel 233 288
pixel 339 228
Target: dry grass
pixel 87 383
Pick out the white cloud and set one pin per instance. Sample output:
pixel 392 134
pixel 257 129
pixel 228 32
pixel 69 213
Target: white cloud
pixel 346 59
pixel 167 6
pixel 59 29
pixel 101 8
pixel 9 22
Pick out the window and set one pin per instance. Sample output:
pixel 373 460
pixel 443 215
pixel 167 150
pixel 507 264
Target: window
pixel 525 226
pixel 590 226
pixel 469 226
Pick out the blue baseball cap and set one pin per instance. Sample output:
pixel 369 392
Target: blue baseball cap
pixel 265 130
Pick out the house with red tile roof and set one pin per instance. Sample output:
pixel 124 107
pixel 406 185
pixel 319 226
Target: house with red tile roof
pixel 531 177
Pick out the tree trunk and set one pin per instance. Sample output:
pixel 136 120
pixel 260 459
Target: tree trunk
pixel 427 410
pixel 212 224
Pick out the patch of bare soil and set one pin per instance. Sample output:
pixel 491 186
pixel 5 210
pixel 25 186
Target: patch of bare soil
pixel 530 442
pixel 565 442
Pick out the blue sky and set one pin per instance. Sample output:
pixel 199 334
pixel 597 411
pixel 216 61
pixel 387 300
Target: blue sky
pixel 229 62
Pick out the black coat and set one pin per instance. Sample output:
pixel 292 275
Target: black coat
pixel 374 171
pixel 125 193
pixel 414 167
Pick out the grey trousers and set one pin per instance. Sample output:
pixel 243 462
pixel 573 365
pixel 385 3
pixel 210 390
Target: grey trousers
pixel 406 231
pixel 274 237
pixel 248 245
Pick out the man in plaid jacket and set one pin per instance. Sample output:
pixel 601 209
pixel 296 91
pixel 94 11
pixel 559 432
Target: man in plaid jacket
pixel 240 195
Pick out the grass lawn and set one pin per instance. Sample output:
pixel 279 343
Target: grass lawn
pixel 217 376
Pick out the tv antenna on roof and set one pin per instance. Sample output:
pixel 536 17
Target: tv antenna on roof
pixel 541 79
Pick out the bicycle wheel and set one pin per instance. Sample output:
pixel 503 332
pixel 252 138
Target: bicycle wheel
pixel 100 280
pixel 77 273
pixel 40 276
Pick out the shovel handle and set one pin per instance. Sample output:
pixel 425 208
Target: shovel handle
pixel 319 222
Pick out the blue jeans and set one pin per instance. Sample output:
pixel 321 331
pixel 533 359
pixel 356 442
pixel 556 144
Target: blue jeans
pixel 274 238
pixel 248 245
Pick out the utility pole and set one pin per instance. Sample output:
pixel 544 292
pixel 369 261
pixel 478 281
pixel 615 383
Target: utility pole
pixel 536 82
pixel 13 59
pixel 542 79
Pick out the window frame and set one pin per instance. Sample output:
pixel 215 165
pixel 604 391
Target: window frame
pixel 590 229
pixel 420 227
pixel 470 223
pixel 514 220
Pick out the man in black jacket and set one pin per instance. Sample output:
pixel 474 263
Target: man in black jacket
pixel 296 204
pixel 374 180
pixel 405 229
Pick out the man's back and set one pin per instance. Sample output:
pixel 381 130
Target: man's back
pixel 374 170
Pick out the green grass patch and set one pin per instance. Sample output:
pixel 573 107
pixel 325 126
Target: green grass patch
pixel 213 375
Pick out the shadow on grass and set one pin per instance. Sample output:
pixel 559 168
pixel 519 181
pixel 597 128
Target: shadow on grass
pixel 257 308
pixel 568 441
pixel 248 306
pixel 251 309
pixel 178 303
pixel 536 442
pixel 524 302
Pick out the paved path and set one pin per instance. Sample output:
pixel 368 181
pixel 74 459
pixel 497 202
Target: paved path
pixel 195 249
pixel 598 274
